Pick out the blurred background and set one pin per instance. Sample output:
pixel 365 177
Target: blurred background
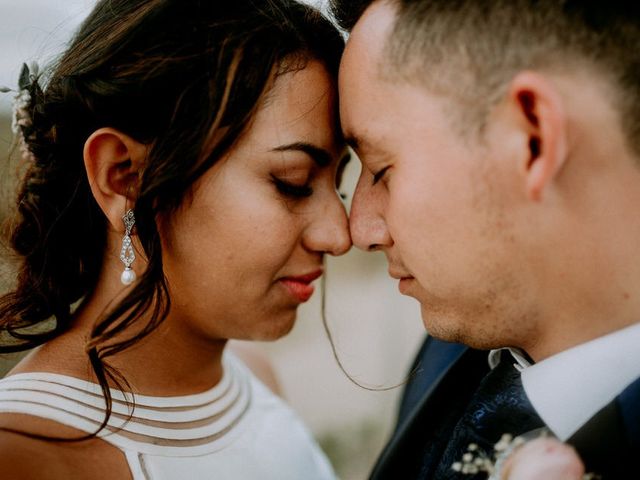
pixel 375 329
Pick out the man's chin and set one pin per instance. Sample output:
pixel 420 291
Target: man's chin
pixel 450 328
pixel 438 326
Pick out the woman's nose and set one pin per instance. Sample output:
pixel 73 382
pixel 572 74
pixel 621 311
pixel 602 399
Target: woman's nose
pixel 328 231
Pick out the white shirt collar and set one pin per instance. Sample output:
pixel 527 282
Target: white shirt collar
pixel 568 388
pixel 521 361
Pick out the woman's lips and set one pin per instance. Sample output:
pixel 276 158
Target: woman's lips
pixel 299 287
pixel 298 290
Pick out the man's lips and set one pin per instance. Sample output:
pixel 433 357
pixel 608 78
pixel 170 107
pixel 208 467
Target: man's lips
pixel 399 275
pixel 299 286
pixel 404 277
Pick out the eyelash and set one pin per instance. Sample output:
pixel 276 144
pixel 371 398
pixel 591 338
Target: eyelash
pixel 378 176
pixel 291 190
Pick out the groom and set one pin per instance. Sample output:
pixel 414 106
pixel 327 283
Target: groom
pixel 500 145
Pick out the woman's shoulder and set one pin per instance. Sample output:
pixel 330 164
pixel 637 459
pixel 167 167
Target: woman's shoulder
pixel 25 457
pixel 22 457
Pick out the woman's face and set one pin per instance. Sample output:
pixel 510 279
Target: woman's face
pixel 240 256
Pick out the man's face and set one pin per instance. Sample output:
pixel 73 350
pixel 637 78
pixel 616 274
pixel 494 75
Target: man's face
pixel 430 199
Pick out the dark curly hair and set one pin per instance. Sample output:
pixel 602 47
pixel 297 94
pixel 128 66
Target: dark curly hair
pixel 183 77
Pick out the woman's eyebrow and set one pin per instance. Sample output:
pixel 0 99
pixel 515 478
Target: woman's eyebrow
pixel 319 155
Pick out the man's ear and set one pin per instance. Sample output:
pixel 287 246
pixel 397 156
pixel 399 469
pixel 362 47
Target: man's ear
pixel 113 161
pixel 540 108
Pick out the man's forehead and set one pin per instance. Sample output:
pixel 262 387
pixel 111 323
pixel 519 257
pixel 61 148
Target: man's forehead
pixel 361 85
pixel 369 36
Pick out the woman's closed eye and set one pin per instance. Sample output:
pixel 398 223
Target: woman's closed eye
pixel 292 189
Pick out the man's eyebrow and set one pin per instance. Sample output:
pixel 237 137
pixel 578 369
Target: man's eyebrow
pixel 360 145
pixel 317 154
pixel 353 142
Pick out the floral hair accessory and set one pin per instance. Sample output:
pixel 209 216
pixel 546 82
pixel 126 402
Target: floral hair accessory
pixel 476 460
pixel 22 101
pixel 22 106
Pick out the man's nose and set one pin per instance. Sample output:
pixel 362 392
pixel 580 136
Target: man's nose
pixel 367 223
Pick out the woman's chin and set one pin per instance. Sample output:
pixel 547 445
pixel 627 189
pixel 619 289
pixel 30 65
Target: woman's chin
pixel 270 329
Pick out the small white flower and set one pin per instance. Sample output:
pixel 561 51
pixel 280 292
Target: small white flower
pixel 21 115
pixel 504 443
pixel 22 119
pixel 469 469
pixel 480 461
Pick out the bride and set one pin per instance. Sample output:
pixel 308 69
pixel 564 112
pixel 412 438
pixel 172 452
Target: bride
pixel 181 160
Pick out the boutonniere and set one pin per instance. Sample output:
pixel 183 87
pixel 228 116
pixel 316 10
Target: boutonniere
pixel 475 460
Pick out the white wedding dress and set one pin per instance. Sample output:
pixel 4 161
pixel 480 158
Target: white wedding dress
pixel 238 430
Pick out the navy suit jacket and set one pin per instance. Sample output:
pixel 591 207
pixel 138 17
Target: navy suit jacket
pixel 445 377
pixel 432 403
pixel 609 443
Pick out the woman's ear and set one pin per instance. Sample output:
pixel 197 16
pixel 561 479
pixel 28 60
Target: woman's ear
pixel 540 109
pixel 113 162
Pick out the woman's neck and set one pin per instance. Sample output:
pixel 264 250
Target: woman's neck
pixel 172 360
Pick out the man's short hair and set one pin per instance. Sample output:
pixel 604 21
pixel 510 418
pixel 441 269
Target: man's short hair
pixel 471 49
pixel 347 12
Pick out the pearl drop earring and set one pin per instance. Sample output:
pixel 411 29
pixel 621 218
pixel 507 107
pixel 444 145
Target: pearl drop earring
pixel 127 255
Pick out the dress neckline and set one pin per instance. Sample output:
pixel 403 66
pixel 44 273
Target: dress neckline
pixel 183 425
